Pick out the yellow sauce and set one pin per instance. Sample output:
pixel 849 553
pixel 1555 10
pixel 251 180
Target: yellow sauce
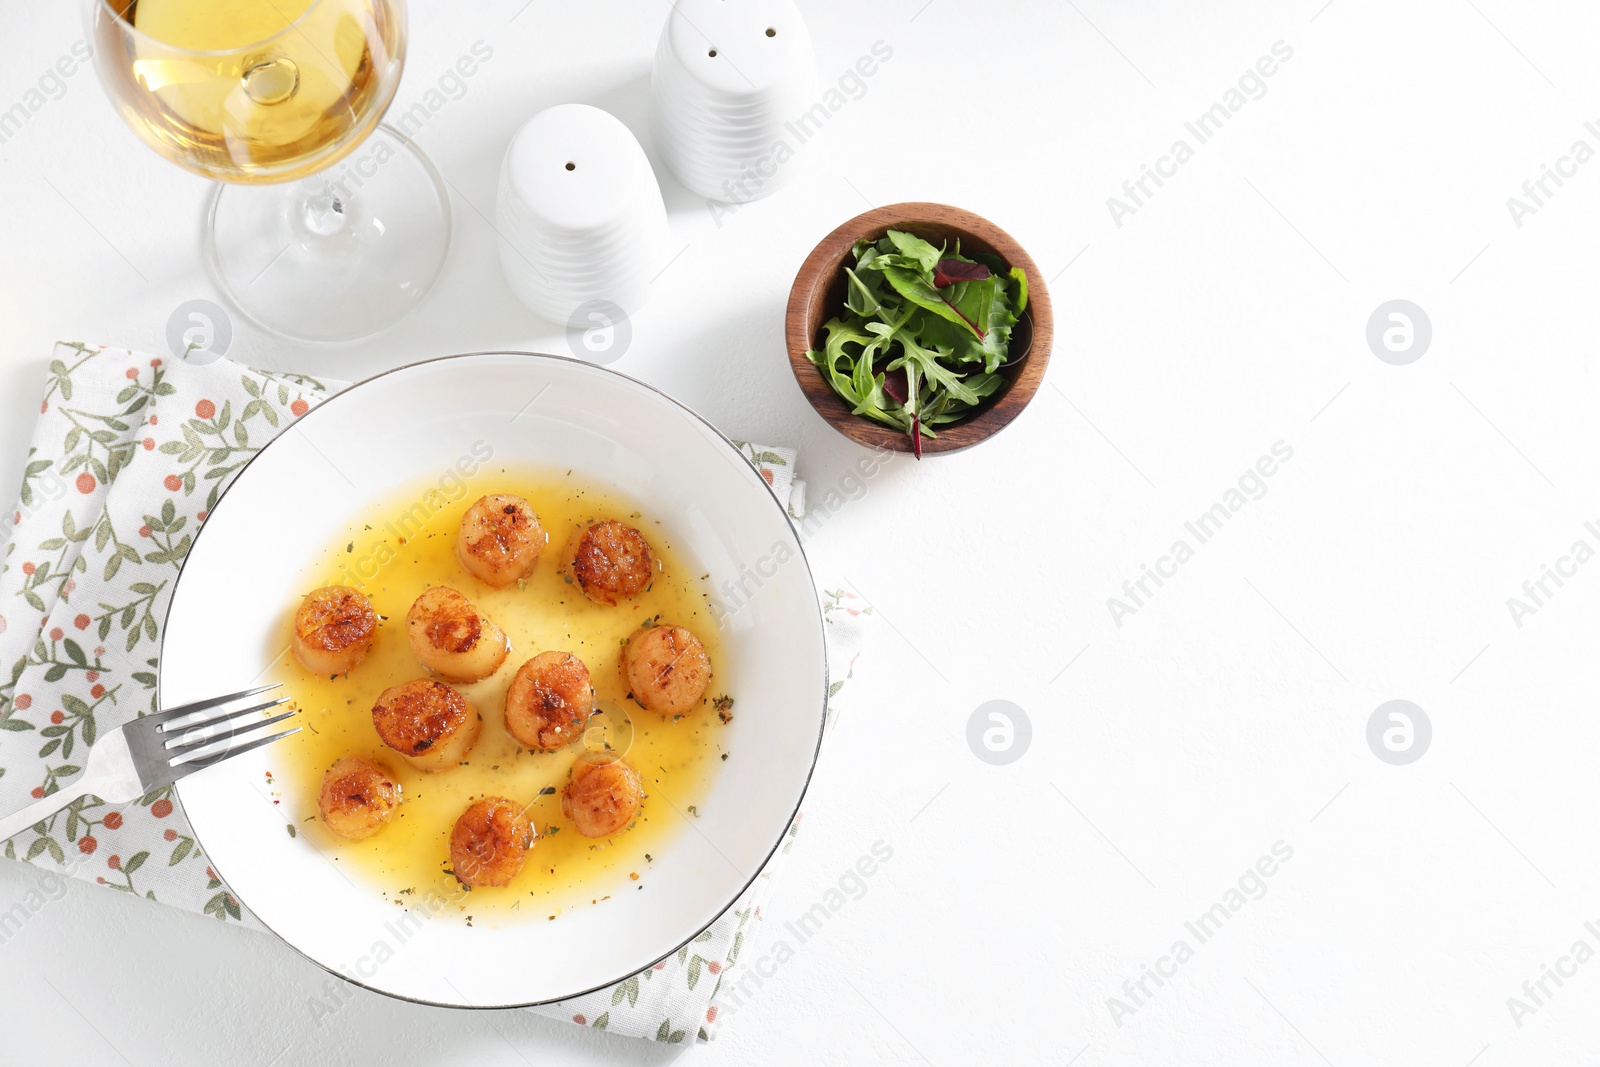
pixel 392 553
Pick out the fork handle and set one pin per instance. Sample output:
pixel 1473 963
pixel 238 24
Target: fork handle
pixel 109 774
pixel 13 824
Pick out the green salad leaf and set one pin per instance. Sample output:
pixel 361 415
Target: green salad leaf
pixel 923 334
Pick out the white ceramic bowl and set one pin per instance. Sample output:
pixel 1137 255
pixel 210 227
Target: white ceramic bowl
pixel 253 555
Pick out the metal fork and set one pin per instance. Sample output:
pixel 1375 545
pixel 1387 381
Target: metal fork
pixel 152 752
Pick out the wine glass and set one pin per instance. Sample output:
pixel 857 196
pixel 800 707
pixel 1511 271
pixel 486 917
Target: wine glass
pixel 306 236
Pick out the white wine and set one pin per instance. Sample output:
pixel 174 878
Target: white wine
pixel 251 90
pixel 266 97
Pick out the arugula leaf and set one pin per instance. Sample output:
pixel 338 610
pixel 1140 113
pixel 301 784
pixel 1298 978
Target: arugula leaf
pixel 858 297
pixel 1020 276
pixel 911 353
pixel 915 248
pixel 921 292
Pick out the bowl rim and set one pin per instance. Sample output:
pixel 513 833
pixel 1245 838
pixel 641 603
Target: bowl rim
pixel 822 713
pixel 829 255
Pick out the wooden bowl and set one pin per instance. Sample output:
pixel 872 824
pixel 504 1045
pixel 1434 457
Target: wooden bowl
pixel 818 295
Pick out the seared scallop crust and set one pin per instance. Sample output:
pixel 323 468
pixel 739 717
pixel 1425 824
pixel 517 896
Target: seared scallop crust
pixel 500 540
pixel 453 638
pixel 603 794
pixel 490 841
pixel 333 630
pixel 665 668
pixel 427 722
pixel 549 701
pixel 609 561
pixel 358 798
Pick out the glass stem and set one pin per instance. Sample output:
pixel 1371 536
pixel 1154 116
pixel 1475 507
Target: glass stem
pixel 324 211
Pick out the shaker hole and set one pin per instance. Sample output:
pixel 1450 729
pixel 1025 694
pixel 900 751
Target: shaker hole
pixel 572 166
pixel 771 32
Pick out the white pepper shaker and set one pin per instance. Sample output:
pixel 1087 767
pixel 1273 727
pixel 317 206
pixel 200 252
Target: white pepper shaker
pixel 732 78
pixel 580 215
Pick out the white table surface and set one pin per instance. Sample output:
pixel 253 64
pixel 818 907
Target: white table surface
pixel 1228 713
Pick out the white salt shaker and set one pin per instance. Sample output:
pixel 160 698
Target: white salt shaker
pixel 580 215
pixel 731 78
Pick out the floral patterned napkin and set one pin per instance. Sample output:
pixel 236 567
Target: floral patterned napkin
pixel 128 455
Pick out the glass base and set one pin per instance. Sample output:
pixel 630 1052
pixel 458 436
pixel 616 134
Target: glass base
pixel 338 256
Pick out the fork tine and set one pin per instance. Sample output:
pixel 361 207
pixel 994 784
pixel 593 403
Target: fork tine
pixel 177 746
pixel 167 729
pixel 188 767
pixel 203 705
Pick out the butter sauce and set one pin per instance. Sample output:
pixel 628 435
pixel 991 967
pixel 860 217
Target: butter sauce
pixel 394 551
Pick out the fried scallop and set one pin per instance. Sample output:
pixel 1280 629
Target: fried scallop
pixel 549 701
pixel 333 629
pixel 609 561
pixel 500 540
pixel 490 842
pixel 603 794
pixel 665 668
pixel 427 722
pixel 358 798
pixel 453 638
